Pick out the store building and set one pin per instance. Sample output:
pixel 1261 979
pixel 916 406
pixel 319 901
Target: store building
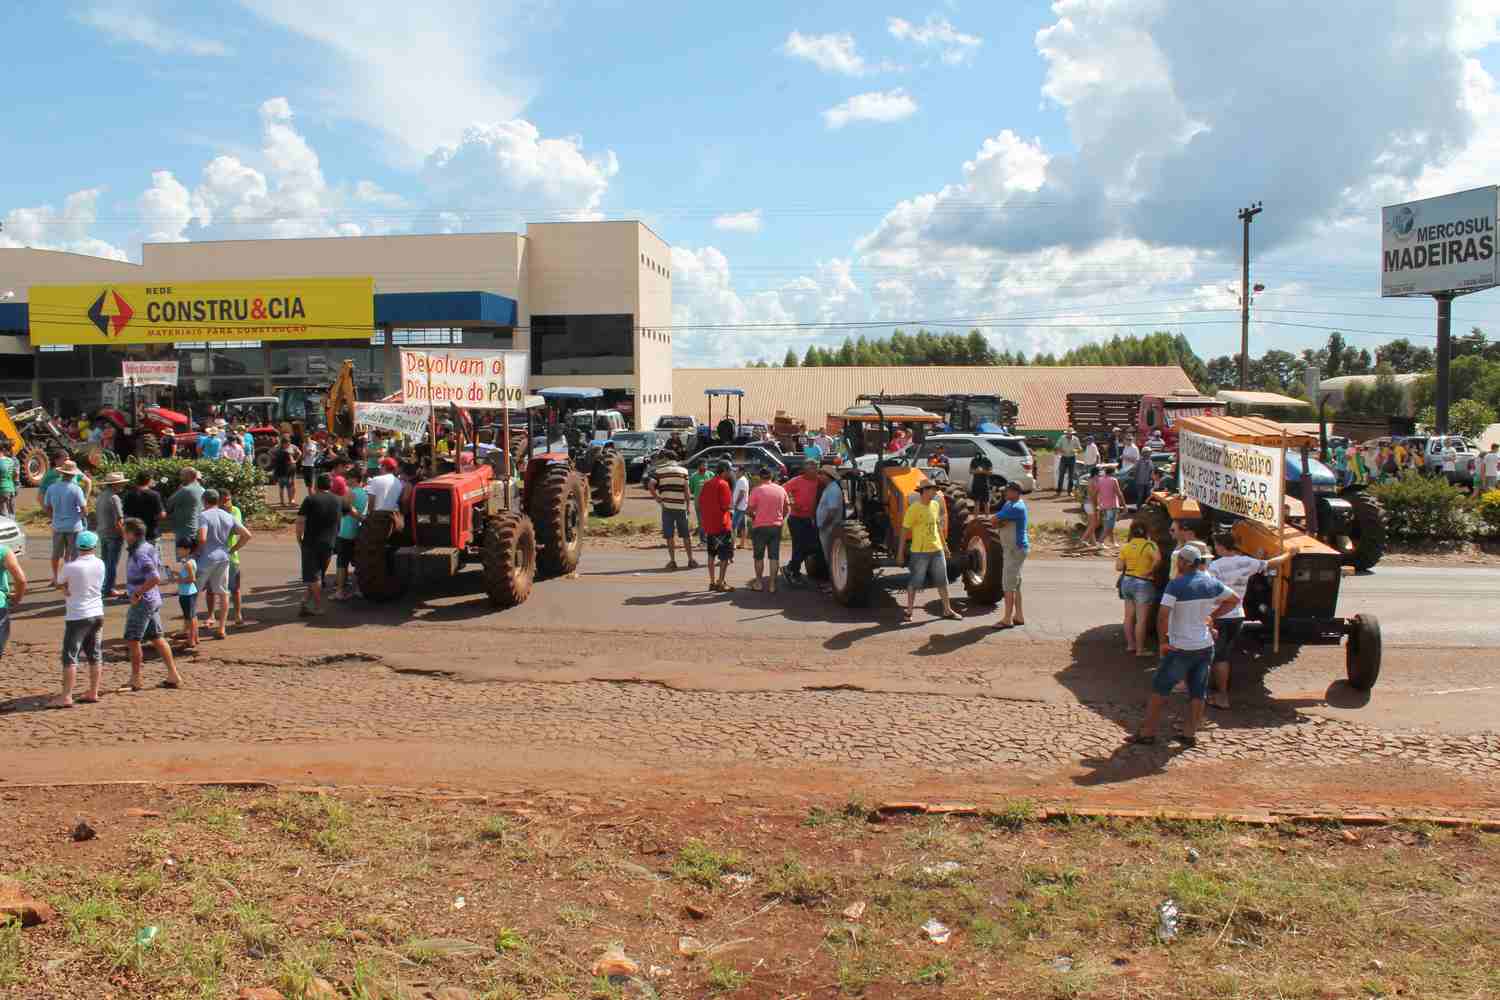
pixel 590 301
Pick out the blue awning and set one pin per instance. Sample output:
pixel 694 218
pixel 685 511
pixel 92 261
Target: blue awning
pixel 14 317
pixel 437 308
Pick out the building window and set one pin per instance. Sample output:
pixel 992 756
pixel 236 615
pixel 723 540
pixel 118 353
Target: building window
pixel 583 345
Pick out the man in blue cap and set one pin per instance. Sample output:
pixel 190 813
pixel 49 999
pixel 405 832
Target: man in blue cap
pixel 83 620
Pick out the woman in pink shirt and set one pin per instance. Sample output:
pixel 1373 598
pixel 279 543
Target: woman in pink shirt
pixel 768 506
pixel 1109 499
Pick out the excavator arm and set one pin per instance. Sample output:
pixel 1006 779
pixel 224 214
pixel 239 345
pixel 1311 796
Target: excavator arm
pixel 339 403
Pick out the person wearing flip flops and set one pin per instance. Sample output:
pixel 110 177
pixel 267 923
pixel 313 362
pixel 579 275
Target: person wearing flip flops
pixel 924 528
pixel 1188 605
pixel 1015 541
pixel 143 576
pixel 83 620
pixel 715 500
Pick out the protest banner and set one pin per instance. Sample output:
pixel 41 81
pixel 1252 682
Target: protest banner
pixel 404 418
pixel 473 380
pixel 149 372
pixel 1243 479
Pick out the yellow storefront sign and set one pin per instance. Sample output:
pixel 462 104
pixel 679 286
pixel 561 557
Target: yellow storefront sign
pixel 168 312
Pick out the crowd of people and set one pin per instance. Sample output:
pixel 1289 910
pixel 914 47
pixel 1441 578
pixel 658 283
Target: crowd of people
pixel 736 509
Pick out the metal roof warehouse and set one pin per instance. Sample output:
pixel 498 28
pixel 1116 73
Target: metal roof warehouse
pixel 810 394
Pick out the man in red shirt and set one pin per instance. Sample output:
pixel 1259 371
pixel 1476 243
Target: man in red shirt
pixel 715 514
pixel 802 491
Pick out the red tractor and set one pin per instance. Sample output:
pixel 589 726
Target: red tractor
pixel 146 438
pixel 472 515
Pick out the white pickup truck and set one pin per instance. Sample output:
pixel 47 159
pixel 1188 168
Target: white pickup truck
pixel 1438 451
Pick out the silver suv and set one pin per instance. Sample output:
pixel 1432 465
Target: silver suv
pixel 1007 453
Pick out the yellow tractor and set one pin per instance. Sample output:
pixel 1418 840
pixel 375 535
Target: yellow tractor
pixel 1218 489
pixel 877 490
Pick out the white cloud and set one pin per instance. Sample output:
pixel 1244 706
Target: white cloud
pixel 953 46
pixel 45 228
pixel 137 22
pixel 509 167
pixel 875 106
pixel 420 73
pixel 739 222
pixel 832 53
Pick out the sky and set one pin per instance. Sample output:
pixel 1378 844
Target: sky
pixel 1050 173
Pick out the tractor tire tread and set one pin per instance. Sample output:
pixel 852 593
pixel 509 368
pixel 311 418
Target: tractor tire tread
pixel 508 557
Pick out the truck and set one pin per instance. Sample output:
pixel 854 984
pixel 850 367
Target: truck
pixel 1143 414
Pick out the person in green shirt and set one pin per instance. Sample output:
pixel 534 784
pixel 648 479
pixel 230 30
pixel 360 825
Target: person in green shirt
pixel 9 472
pixel 12 589
pixel 226 501
pixel 52 475
pixel 696 479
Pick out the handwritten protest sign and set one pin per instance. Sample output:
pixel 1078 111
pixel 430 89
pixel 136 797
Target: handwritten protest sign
pixel 474 380
pixel 404 418
pixel 1243 479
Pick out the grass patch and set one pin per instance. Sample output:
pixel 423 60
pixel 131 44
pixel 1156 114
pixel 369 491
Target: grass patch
pixel 255 897
pixel 795 883
pixel 725 978
pixel 702 865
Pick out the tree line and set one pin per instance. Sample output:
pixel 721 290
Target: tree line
pixel 1475 366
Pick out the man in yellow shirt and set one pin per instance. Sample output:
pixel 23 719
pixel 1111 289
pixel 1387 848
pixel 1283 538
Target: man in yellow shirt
pixel 925 530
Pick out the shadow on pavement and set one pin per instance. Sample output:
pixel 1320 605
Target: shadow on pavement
pixel 1115 685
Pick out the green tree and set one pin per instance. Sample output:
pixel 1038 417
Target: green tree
pixel 1468 417
pixel 790 361
pixel 1405 359
pixel 1385 398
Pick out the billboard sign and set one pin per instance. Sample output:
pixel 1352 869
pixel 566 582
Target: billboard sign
pixel 1243 479
pixel 203 311
pixel 1444 244
pixel 473 380
pixel 149 372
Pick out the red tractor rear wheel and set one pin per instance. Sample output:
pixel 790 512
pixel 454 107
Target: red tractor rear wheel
pixel 559 505
pixel 508 553
pixel 607 481
pixel 373 563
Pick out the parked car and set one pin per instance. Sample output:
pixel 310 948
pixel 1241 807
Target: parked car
pixel 12 537
pixel 684 429
pixel 637 447
pixel 1008 454
pixel 1125 476
pixel 749 456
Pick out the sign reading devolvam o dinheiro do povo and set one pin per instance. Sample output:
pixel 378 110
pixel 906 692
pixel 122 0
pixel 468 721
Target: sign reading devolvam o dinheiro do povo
pixel 1243 479
pixel 1443 244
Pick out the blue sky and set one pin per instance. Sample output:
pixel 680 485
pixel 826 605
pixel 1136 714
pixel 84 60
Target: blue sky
pixel 1053 172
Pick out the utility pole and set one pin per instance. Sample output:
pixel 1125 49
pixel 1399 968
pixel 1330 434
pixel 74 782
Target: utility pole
pixel 1246 216
pixel 1444 357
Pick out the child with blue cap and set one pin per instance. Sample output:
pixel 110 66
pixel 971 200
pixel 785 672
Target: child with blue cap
pixel 83 620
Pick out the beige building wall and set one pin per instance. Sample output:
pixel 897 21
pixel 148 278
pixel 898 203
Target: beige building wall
pixel 449 262
pixel 22 267
pixel 601 268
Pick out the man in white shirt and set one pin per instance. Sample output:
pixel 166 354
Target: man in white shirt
pixel 740 504
pixel 83 620
pixel 1090 457
pixel 1187 606
pixel 1234 569
pixel 385 489
pixel 1068 447
pixel 1489 467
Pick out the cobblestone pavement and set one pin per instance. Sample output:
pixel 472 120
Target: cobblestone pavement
pixel 257 695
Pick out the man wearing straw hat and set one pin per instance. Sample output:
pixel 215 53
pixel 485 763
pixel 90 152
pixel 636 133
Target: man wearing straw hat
pixel 65 505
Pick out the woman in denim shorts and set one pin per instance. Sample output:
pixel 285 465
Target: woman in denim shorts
pixel 1138 561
